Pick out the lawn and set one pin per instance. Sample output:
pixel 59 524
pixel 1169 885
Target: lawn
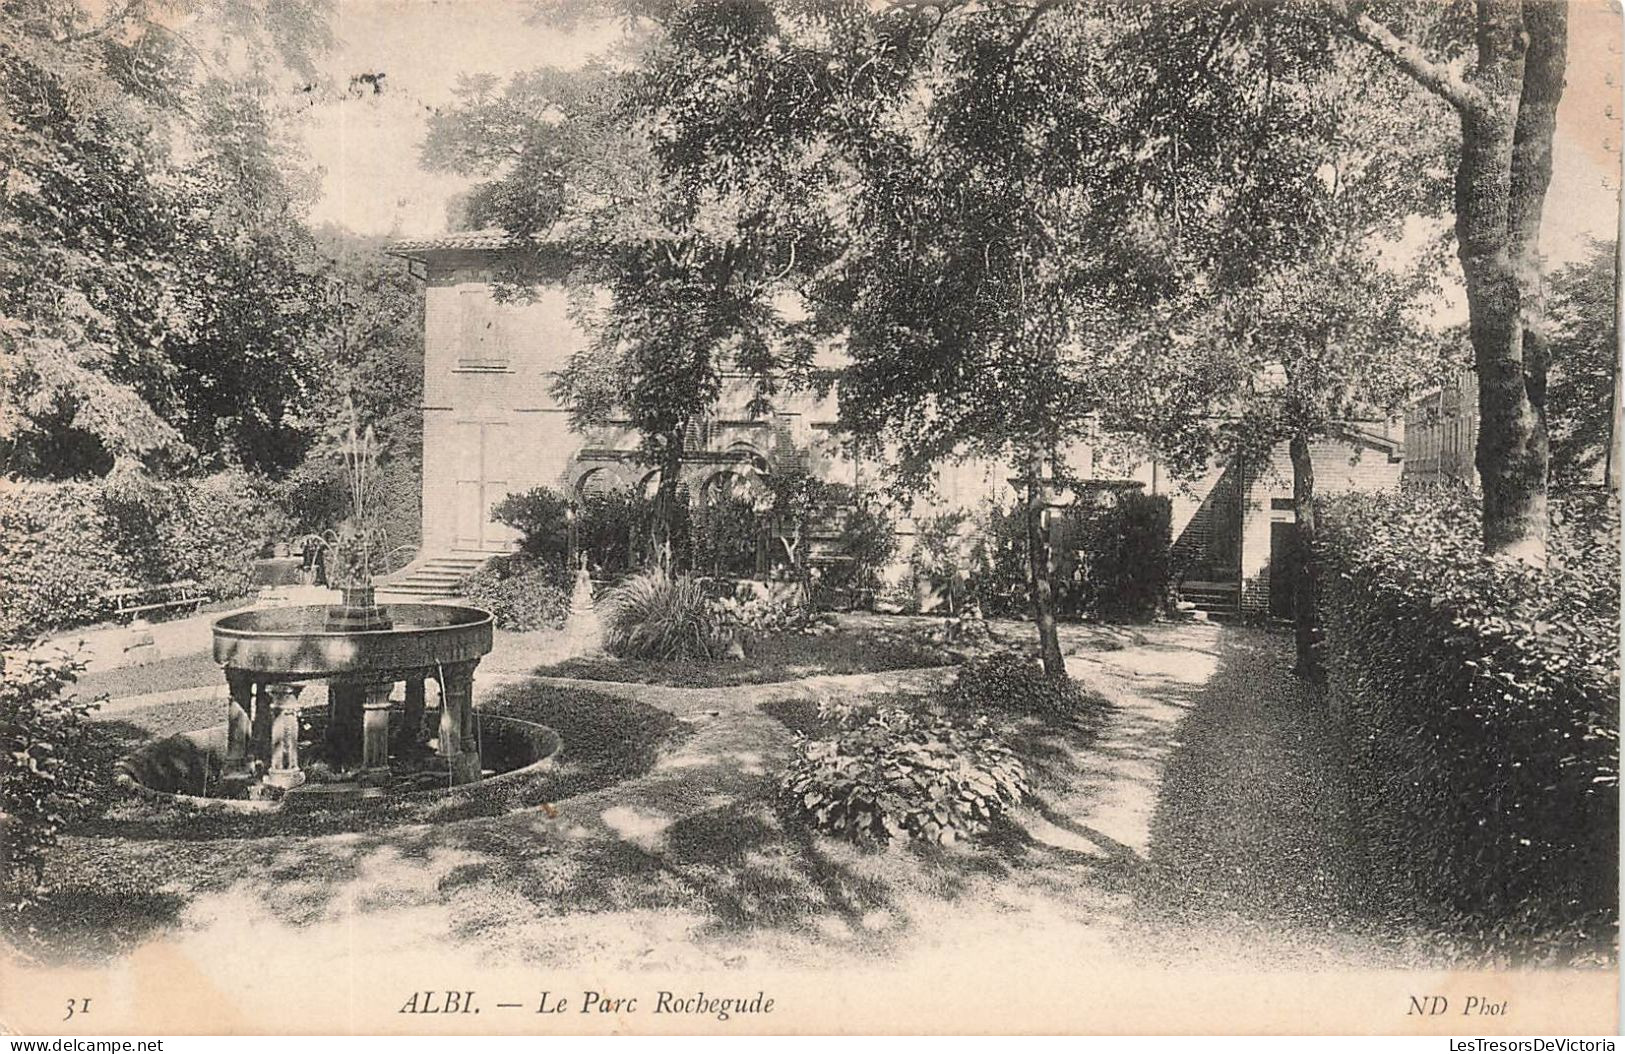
pixel 667 814
pixel 772 658
pixel 165 675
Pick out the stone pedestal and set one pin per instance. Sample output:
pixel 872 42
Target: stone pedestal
pixel 459 741
pixel 239 705
pixel 284 770
pixel 375 733
pixel 412 719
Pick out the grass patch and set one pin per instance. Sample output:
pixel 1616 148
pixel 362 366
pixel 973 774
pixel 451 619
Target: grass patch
pixel 166 675
pixel 769 659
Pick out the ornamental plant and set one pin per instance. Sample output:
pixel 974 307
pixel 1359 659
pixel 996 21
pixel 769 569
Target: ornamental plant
pixel 44 782
pixel 888 773
pixel 655 615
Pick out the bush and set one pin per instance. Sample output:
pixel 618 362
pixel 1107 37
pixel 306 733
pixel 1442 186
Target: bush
pixel 540 515
pixel 1481 701
pixel 1123 555
pixel 725 536
pixel 63 544
pixel 765 607
pixel 889 773
pixel 1111 559
pixel 1009 682
pixel 521 595
pixel 45 780
pixel 868 542
pixel 653 615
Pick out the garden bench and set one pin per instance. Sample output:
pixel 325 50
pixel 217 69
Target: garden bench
pixel 138 600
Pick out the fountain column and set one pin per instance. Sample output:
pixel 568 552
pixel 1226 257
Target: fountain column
pixel 239 704
pixel 375 732
pixel 459 744
pixel 412 724
pixel 261 727
pixel 284 771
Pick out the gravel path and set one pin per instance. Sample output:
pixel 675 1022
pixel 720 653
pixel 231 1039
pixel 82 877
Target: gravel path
pixel 1253 855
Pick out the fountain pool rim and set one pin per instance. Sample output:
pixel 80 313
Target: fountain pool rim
pixel 292 643
pixel 210 740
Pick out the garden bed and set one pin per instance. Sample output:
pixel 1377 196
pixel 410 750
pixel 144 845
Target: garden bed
pixel 769 659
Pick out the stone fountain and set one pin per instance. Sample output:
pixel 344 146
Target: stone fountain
pixel 360 649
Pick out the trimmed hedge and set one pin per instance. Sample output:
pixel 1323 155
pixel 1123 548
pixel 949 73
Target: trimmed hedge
pixel 1481 702
pixel 63 544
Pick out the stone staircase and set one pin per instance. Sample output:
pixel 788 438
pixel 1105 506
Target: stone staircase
pixel 435 576
pixel 1218 601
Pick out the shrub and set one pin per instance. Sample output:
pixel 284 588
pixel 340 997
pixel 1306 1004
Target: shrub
pixel 653 615
pixel 725 536
pixel 63 544
pixel 45 780
pixel 1481 700
pixel 1123 553
pixel 765 607
pixel 520 594
pixel 1009 682
pixel 540 515
pixel 889 773
pixel 868 542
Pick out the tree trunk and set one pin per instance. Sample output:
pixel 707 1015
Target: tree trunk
pixel 1306 583
pixel 1508 108
pixel 666 512
pixel 1041 561
pixel 1610 465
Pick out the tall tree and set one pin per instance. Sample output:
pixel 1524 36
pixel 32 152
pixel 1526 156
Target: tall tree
pixel 1585 367
pixel 1322 312
pixel 152 308
pixel 1506 100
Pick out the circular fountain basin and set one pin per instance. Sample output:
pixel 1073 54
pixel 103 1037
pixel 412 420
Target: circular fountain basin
pixel 187 766
pixel 294 643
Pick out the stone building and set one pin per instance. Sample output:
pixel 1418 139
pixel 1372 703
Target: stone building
pixel 492 426
pixel 1441 431
pixel 1235 534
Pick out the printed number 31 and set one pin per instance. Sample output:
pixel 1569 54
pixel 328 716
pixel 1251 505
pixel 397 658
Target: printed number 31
pixel 77 1006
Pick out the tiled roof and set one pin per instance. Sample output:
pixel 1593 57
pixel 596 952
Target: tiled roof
pixel 490 238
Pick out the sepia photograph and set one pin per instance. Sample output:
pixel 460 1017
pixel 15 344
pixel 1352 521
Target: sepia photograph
pixel 809 517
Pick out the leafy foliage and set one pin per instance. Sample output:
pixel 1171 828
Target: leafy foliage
pixel 157 300
pixel 655 615
pixel 63 544
pixel 1123 552
pixel 867 544
pixel 541 516
pixel 725 533
pixel 1481 698
pixel 521 594
pixel 1007 682
pixel 765 608
pixel 1585 363
pixel 890 773
pixel 45 780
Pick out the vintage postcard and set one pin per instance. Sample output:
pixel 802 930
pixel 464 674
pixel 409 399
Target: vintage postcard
pixel 809 516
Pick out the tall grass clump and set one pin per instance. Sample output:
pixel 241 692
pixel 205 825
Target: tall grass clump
pixel 654 615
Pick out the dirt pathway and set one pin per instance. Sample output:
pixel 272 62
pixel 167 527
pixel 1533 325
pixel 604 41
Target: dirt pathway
pixel 1203 822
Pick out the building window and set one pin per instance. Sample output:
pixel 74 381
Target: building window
pixel 480 344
